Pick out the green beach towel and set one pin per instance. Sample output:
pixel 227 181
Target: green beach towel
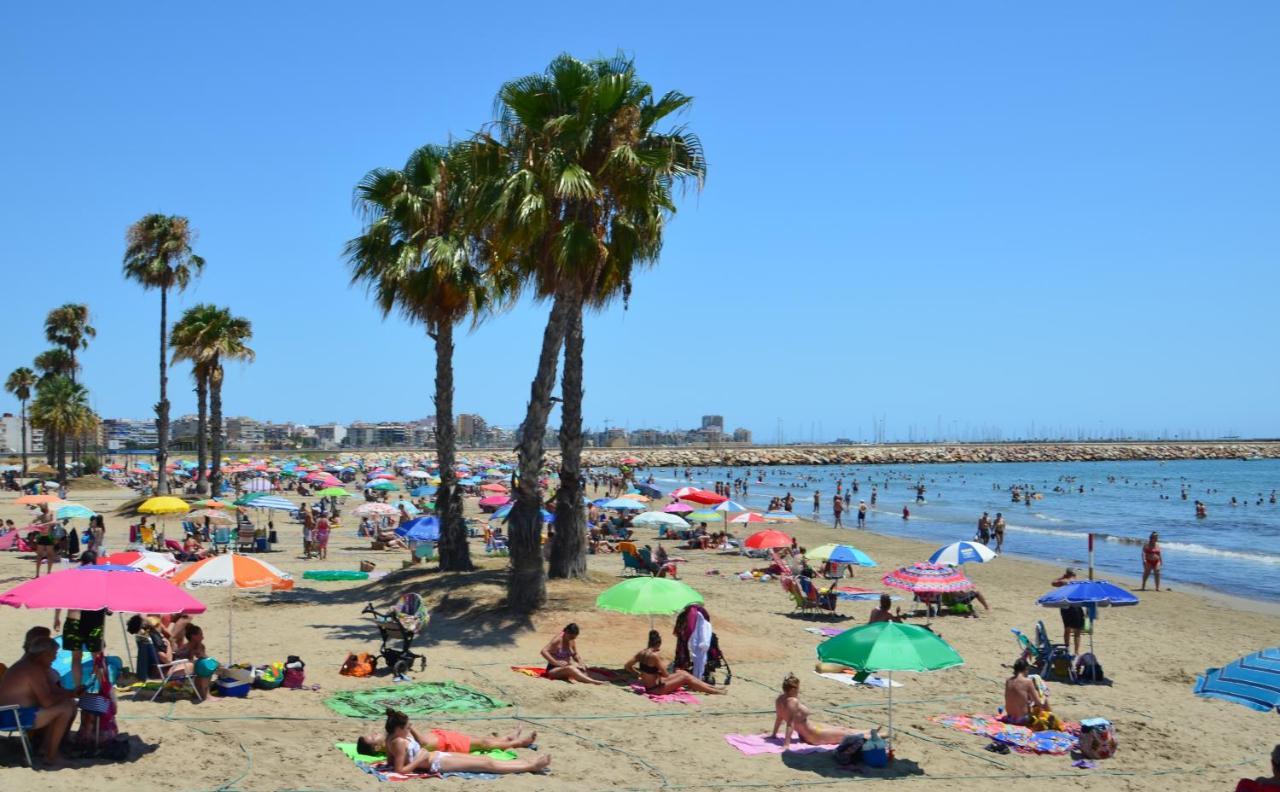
pixel 350 750
pixel 335 574
pixel 414 699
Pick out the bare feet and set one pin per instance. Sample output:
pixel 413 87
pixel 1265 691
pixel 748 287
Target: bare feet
pixel 541 764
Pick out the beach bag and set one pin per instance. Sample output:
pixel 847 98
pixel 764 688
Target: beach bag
pixel 1088 669
pixel 357 665
pixel 849 751
pixel 269 677
pixel 1097 739
pixel 294 673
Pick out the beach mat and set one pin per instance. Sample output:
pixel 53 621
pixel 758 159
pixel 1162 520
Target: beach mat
pixel 850 680
pixel 540 672
pixel 679 697
pixel 413 699
pixel 335 574
pixel 825 632
pixel 377 766
pixel 1019 738
pixel 756 744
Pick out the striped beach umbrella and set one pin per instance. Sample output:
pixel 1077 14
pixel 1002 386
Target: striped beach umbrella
pixel 928 579
pixel 271 502
pixel 749 517
pixel 1253 681
pixel 959 553
pixel 157 564
pixel 232 570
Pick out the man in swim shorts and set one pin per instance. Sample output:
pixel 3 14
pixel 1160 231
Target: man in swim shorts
pixel 43 708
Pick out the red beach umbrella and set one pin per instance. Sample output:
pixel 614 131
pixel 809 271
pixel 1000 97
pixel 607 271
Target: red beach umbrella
pixel 927 578
pixel 763 540
pixel 702 496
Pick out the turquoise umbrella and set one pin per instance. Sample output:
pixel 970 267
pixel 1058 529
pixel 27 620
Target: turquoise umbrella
pixel 74 511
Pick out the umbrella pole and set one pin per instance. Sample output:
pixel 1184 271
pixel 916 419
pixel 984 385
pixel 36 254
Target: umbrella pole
pixel 230 611
pixel 125 632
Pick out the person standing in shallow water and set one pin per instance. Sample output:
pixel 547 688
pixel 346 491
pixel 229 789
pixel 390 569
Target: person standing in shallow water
pixel 1152 560
pixel 837 505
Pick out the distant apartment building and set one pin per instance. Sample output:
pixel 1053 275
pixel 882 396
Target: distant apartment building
pixel 741 435
pixel 123 433
pixel 278 435
pixel 11 435
pixel 385 434
pixel 244 433
pixel 472 430
pixel 329 436
pixel 716 421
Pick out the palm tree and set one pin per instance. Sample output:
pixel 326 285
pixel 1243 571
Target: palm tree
pixel 21 381
pixel 52 364
pixel 187 342
pixel 419 255
pixel 158 255
pixel 584 202
pixel 61 408
pixel 68 327
pixel 214 336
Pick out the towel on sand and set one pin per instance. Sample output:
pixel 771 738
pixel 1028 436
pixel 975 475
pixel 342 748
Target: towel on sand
pixel 681 696
pixel 377 766
pixel 415 699
pixel 826 632
pixel 754 744
pixel 541 671
pixel 849 679
pixel 1019 738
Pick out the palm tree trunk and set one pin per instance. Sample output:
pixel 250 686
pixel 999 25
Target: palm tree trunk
pixel 62 457
pixel 526 584
pixel 162 406
pixel 25 431
pixel 215 428
pixel 202 429
pixel 455 556
pixel 569 545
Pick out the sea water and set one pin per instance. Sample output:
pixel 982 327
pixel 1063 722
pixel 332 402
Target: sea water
pixel 1235 549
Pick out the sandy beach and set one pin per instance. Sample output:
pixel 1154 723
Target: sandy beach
pixel 608 738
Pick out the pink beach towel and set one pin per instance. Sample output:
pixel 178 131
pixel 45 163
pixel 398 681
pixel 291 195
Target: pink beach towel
pixel 755 744
pixel 679 697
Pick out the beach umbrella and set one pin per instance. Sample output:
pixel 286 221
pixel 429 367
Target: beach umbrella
pixel 650 490
pixel 423 491
pixel 423 529
pixel 492 488
pixel 418 474
pixel 623 504
pixel 888 647
pixel 648 596
pixel 161 565
pixel 748 517
pixel 635 496
pixel 730 506
pixel 704 515
pixel 1091 595
pixel 505 510
pixel 271 502
pixel 73 511
pixel 1253 680
pixel 840 554
pixel 210 503
pixel 374 510
pixel 660 518
pixel 235 571
pixel 629 461
pixel 382 485
pixel 959 553
pixel 763 540
pixel 780 516
pixel 928 579
pixel 258 485
pixel 164 504
pixel 494 502
pixel 212 515
pixel 37 500
pixel 332 492
pixel 700 496
pixel 409 508
pixel 678 508
pixel 92 588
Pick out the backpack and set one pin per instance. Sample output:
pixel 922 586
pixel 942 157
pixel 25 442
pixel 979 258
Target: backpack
pixel 294 675
pixel 357 665
pixel 1088 669
pixel 849 751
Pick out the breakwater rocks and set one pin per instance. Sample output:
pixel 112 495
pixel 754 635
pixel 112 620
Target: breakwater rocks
pixel 740 456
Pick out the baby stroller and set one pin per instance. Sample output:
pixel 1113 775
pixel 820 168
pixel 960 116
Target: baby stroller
pixel 398 628
pixel 715 660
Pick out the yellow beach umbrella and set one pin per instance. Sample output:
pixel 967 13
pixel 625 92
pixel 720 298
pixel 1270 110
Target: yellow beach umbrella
pixel 164 504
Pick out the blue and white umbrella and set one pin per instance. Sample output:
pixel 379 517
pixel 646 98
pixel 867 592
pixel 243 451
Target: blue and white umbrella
pixel 271 502
pixel 423 529
pixel 623 504
pixel 1253 680
pixel 1090 594
pixel 730 506
pixel 408 507
pixel 962 553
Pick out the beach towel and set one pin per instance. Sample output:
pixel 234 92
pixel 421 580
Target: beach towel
pixel 541 671
pixel 825 632
pixel 377 766
pixel 335 574
pixel 857 593
pixel 1019 738
pixel 851 680
pixel 679 697
pixel 414 699
pixel 755 744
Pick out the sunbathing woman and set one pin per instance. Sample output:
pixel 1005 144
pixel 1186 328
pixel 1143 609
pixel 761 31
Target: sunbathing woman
pixel 789 710
pixel 562 658
pixel 651 668
pixel 406 754
pixel 451 741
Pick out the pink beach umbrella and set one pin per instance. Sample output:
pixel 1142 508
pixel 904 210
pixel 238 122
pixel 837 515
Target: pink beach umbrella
pixel 87 588
pixel 678 508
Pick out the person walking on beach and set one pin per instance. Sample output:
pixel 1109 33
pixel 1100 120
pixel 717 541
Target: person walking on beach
pixel 1151 560
pixel 997 531
pixel 837 505
pixel 984 529
pixel 862 514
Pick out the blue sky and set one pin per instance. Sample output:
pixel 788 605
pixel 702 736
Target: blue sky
pixel 961 215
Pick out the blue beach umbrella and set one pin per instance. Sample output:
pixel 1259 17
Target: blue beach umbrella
pixel 962 553
pixel 74 511
pixel 730 506
pixel 1253 681
pixel 1090 594
pixel 423 529
pixel 624 504
pixel 423 491
pixel 408 507
pixel 841 554
pixel 649 490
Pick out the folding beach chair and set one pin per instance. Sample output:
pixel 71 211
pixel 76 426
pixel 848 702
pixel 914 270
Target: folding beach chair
pixel 10 722
pixel 221 539
pixel 172 673
pixel 244 537
pixel 1050 652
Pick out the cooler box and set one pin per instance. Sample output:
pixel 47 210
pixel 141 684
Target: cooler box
pixel 233 688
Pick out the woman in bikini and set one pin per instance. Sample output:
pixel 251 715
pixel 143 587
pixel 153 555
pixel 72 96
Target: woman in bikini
pixel 1151 560
pixel 651 668
pixel 562 658
pixel 374 743
pixel 406 753
pixel 789 710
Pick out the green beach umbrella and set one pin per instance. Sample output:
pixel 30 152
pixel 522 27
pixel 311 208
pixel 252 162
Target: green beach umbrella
pixel 705 515
pixel 889 647
pixel 648 596
pixel 245 500
pixel 382 484
pixel 332 492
